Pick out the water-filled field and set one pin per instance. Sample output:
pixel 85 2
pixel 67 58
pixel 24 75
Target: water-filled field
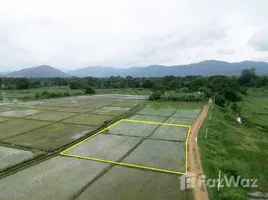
pixel 153 145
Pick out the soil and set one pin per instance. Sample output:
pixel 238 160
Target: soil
pixel 194 161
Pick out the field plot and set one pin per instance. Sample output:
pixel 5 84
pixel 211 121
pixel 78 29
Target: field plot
pixel 97 104
pixel 51 124
pixel 151 118
pixel 18 113
pixel 2 119
pixel 58 178
pixel 184 113
pixel 52 136
pixel 135 147
pixel 74 110
pixel 170 133
pixel 128 104
pixel 129 154
pixel 176 120
pixel 88 119
pixel 132 129
pixel 151 110
pixel 11 156
pixel 51 116
pixel 159 154
pixel 110 110
pixel 134 184
pixel 16 126
pixel 108 147
pixel 3 108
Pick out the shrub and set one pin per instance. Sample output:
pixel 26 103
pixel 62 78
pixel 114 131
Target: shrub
pixel 155 96
pixel 89 90
pixel 219 100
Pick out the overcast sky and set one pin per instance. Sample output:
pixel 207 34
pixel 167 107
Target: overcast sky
pixel 71 34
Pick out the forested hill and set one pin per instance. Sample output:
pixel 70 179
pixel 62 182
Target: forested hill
pixel 205 68
pixel 40 71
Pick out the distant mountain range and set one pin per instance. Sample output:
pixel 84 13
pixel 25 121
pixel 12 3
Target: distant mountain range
pixel 40 71
pixel 204 68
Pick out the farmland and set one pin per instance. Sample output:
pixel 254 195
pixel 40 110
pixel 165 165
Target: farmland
pixel 152 144
pixel 238 150
pixel 254 108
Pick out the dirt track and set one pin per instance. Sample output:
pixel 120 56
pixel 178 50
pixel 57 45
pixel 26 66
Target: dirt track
pixel 194 155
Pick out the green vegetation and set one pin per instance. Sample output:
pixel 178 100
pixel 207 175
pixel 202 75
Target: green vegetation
pixel 178 96
pixel 254 108
pixel 187 88
pixel 234 149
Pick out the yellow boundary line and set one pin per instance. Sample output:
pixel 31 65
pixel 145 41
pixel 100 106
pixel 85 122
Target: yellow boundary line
pixel 133 165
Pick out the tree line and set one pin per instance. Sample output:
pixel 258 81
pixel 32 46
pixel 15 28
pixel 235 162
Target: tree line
pixel 224 88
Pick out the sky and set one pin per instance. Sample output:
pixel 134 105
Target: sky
pixel 70 34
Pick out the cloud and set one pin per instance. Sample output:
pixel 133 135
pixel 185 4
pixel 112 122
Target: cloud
pixel 71 34
pixel 259 40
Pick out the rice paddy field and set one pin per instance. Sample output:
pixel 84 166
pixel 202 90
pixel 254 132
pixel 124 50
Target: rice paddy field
pixel 72 174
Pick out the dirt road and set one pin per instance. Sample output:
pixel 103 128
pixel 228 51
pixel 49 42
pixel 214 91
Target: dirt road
pixel 194 161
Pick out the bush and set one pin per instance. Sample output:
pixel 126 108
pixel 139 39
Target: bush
pixel 89 90
pixel 177 96
pixel 219 100
pixel 181 96
pixel 74 84
pixel 155 96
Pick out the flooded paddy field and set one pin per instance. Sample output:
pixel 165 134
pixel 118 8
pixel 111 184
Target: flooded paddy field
pixel 145 144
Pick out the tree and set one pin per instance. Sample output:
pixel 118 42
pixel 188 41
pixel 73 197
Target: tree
pixel 219 100
pixel 156 96
pixel 247 75
pixel 74 84
pixel 22 83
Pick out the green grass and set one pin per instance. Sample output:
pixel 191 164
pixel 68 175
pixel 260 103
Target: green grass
pixel 234 149
pixel 17 126
pixel 51 137
pixel 89 119
pixel 254 108
pixel 168 108
pixel 30 93
pixel 130 91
